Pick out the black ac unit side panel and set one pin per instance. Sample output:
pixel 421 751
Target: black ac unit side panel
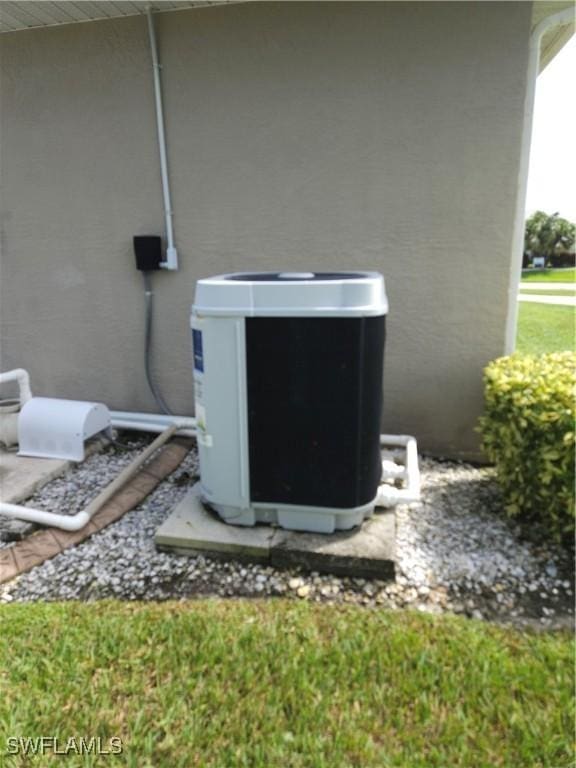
pixel 314 408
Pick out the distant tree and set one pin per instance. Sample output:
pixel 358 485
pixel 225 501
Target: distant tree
pixel 547 235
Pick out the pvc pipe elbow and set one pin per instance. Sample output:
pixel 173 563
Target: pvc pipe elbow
pixel 75 522
pixel 171 258
pixel 23 378
pixel 388 496
pixel 30 515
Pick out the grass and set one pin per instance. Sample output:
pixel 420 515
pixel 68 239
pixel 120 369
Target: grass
pixel 278 684
pixel 545 328
pixel 549 275
pixel 553 292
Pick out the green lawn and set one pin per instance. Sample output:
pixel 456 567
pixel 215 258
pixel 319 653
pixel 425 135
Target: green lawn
pixel 278 684
pixel 545 328
pixel 553 292
pixel 549 275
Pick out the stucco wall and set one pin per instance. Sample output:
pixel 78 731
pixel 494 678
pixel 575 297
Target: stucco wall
pixel 301 136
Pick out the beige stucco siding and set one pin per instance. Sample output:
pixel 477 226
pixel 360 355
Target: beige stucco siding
pixel 301 136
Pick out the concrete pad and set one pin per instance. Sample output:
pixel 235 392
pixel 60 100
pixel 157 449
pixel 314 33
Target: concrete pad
pixel 192 528
pixel 21 476
pixel 367 551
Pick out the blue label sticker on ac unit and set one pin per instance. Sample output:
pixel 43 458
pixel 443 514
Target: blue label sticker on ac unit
pixel 198 351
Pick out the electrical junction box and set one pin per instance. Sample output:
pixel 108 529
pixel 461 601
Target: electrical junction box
pixel 288 385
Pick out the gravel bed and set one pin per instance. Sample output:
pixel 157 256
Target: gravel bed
pixel 455 553
pixel 69 493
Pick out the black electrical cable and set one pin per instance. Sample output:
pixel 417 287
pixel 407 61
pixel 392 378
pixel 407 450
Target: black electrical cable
pixel 148 298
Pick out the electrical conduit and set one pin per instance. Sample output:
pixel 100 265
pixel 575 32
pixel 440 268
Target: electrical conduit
pixel 149 302
pixel 171 261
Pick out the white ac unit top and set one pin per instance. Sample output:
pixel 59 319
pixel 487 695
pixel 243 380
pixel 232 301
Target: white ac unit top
pixel 273 294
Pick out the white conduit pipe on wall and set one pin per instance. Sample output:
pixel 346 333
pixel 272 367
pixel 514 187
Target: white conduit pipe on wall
pixel 555 20
pixel 78 521
pixel 171 261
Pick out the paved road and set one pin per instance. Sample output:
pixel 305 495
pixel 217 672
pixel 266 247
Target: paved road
pixel 537 298
pixel 549 286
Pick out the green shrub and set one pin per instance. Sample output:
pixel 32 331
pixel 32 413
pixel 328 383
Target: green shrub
pixel 528 433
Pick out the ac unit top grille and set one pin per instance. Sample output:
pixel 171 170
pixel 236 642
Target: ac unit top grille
pixel 273 277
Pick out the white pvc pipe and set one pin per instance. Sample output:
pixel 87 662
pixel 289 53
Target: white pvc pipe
pixel 23 379
pixel 171 261
pixel 78 521
pixel 152 422
pixel 165 419
pixel 388 495
pixel 555 20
